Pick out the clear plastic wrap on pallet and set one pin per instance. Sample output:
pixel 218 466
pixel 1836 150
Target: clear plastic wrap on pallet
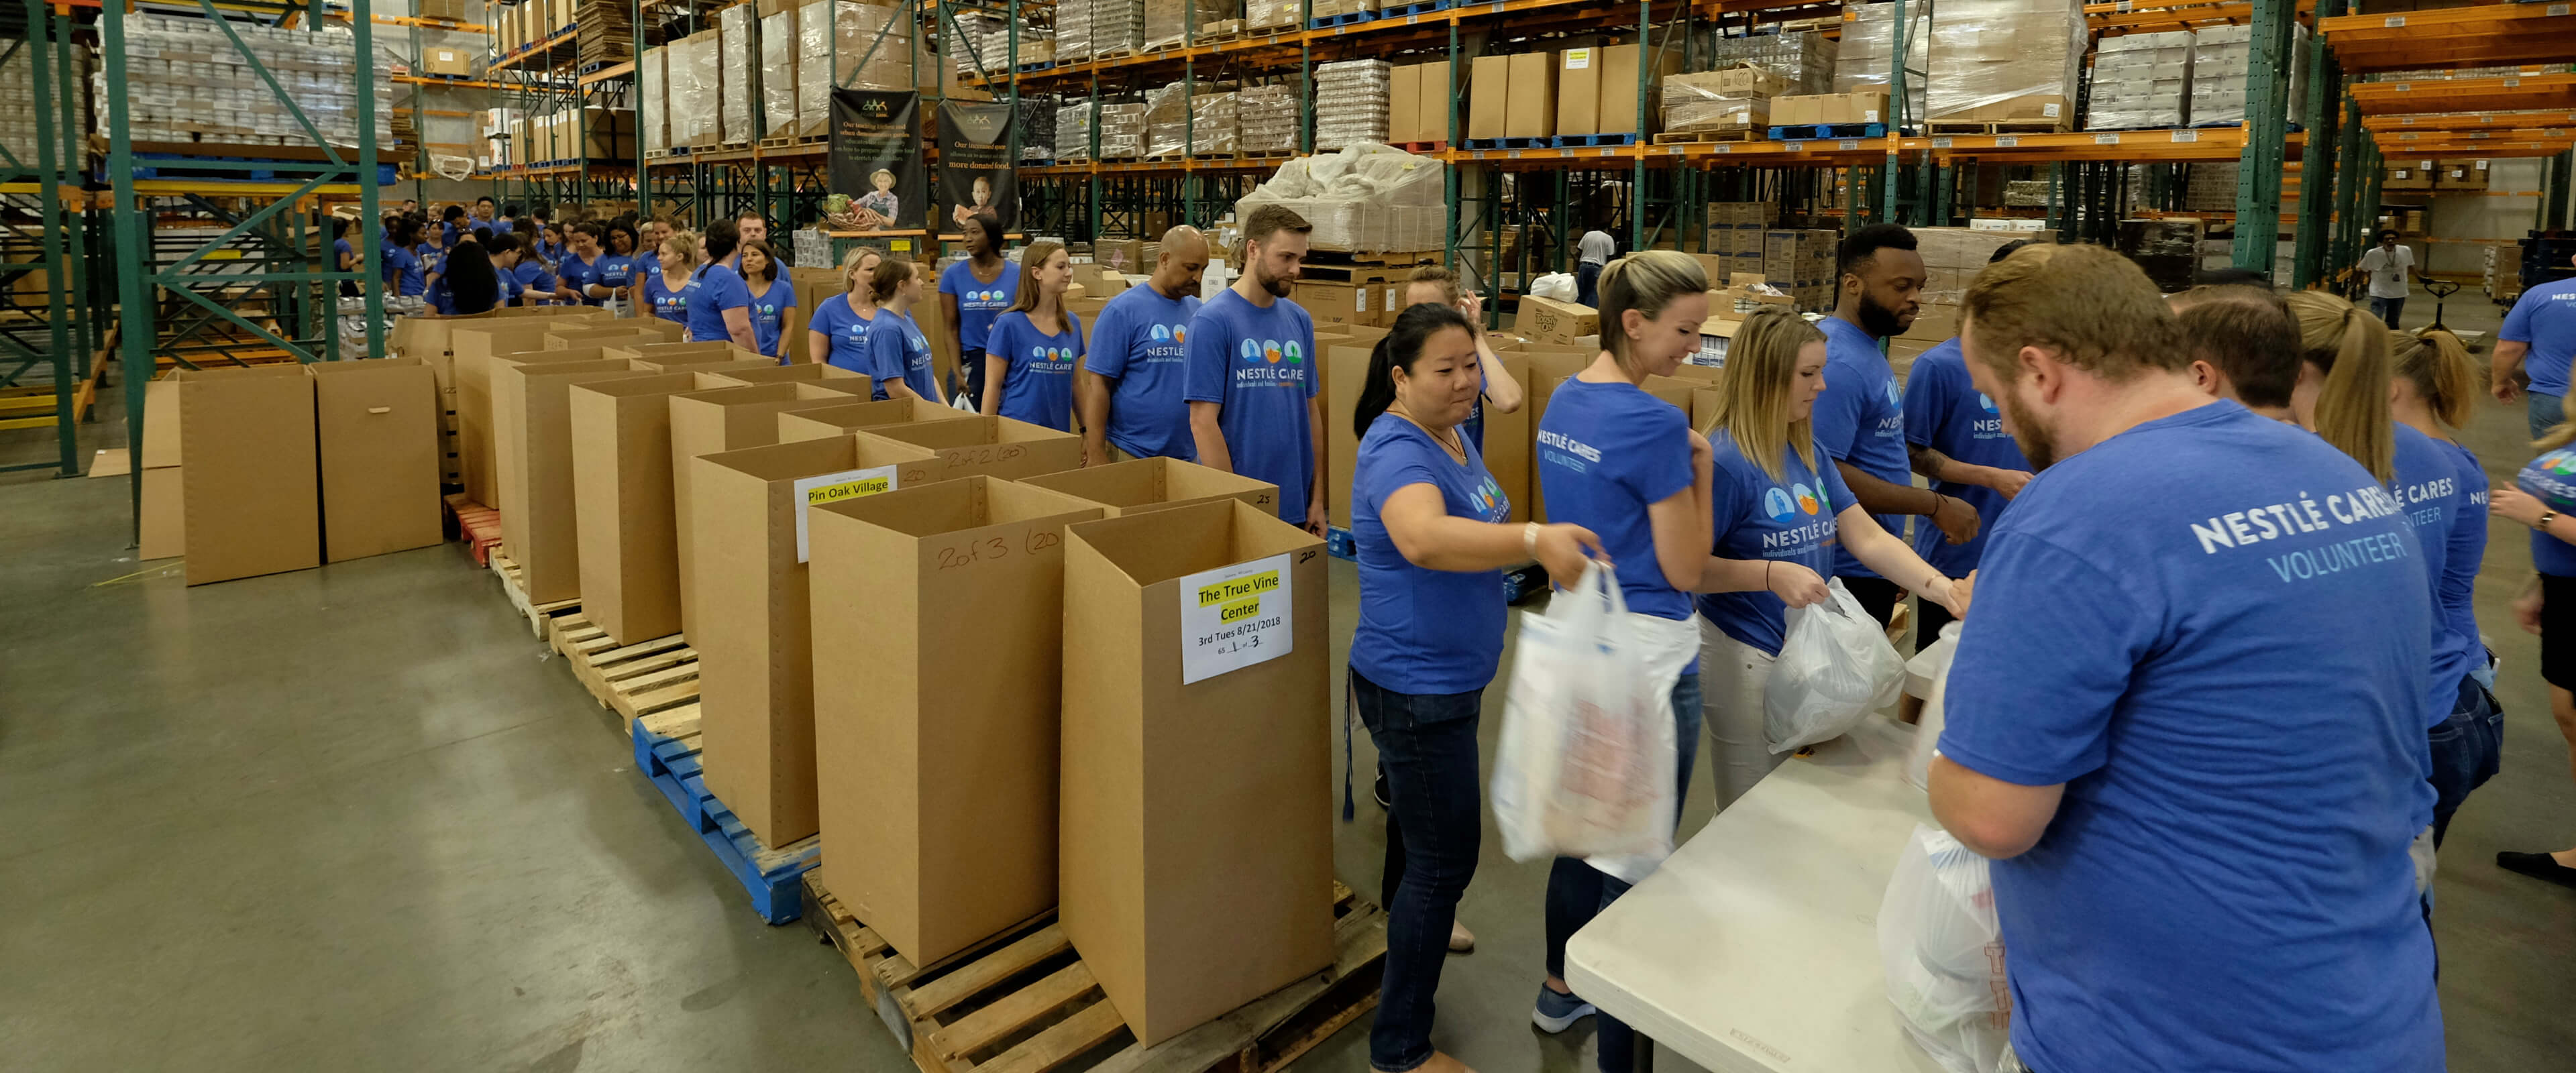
pixel 997 58
pixel 1073 132
pixel 778 38
pixel 875 52
pixel 1364 198
pixel 1267 116
pixel 1272 14
pixel 2140 80
pixel 964 35
pixel 2219 58
pixel 1117 27
pixel 1169 22
pixel 1868 48
pixel 1122 131
pixel 1072 31
pixel 1215 129
pixel 1688 107
pixel 1167 116
pixel 737 50
pixel 185 81
pixel 1037 127
pixel 1351 100
pixel 2005 61
pixel 685 92
pixel 655 89
pixel 2026 193
pixel 1806 59
pixel 2210 187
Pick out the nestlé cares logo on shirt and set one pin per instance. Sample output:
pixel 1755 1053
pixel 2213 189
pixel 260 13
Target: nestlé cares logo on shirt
pixel 1809 501
pixel 1174 333
pixel 1895 396
pixel 1776 504
pixel 984 296
pixel 1986 401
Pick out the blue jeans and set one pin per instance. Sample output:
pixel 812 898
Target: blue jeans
pixel 1426 744
pixel 1578 892
pixel 2543 411
pixel 2468 748
pixel 2387 310
pixel 1587 284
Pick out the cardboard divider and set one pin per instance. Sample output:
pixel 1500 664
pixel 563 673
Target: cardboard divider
pixel 714 419
pixel 801 373
pixel 474 348
pixel 429 338
pixel 1196 847
pixel 937 752
pixel 619 332
pixel 1145 484
pixel 626 525
pixel 532 416
pixel 994 446
pixel 376 424
pixel 833 421
pixel 662 354
pixel 753 632
pixel 1506 444
pixel 249 494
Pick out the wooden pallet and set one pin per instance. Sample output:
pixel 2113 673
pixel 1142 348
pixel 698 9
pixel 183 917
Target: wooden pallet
pixel 2023 126
pixel 632 680
pixel 514 585
pixel 1695 137
pixel 1023 1002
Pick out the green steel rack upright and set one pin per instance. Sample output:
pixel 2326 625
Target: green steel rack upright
pixel 42 335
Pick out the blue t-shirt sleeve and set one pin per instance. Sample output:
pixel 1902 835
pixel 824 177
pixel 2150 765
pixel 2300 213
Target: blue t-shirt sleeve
pixel 998 341
pixel 1110 331
pixel 1728 494
pixel 2041 722
pixel 948 280
pixel 1073 324
pixel 1837 415
pixel 1831 476
pixel 1207 355
pixel 1659 454
pixel 2517 324
pixel 1927 397
pixel 728 291
pixel 885 353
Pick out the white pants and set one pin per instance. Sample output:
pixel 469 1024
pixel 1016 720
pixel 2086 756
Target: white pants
pixel 1732 678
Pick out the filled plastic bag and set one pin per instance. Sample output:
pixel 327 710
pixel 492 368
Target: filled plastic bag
pixel 1944 954
pixel 1556 286
pixel 1586 765
pixel 1835 666
pixel 1927 675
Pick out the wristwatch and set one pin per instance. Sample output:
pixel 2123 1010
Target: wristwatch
pixel 2543 523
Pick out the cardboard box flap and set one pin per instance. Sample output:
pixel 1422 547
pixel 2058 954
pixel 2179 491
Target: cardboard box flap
pixel 842 420
pixel 961 506
pixel 161 423
pixel 1160 546
pixel 806 458
pixel 1157 484
pixel 801 372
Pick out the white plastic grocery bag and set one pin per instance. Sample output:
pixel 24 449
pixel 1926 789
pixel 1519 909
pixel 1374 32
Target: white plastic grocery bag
pixel 1944 954
pixel 1587 762
pixel 1835 666
pixel 1927 675
pixel 1559 286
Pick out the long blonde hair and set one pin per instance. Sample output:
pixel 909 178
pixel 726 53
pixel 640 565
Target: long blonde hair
pixel 850 265
pixel 2441 371
pixel 1753 395
pixel 2352 350
pixel 1646 281
pixel 2564 432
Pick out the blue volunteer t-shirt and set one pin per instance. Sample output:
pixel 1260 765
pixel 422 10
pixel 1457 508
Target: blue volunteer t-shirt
pixel 1423 631
pixel 2425 481
pixel 2551 478
pixel 769 315
pixel 499 225
pixel 580 275
pixel 1140 341
pixel 443 299
pixel 666 303
pixel 712 290
pixel 409 281
pixel 533 280
pixel 2545 318
pixel 1860 419
pixel 898 352
pixel 1793 519
pixel 615 270
pixel 340 247
pixel 1258 365
pixel 1606 452
pixel 2469 549
pixel 978 302
pixel 2210 629
pixel 432 257
pixel 1038 388
pixel 1946 413
pixel 849 335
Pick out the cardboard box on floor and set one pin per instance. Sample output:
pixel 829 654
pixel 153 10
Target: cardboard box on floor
pixel 474 346
pixel 1147 484
pixel 625 524
pixel 376 426
pixel 1345 368
pixel 712 420
pixel 934 324
pixel 162 515
pixel 814 286
pixel 1506 445
pixel 1180 761
pixel 832 421
pixel 532 418
pixel 637 331
pixel 248 496
pixel 937 752
pixel 995 446
pixel 753 632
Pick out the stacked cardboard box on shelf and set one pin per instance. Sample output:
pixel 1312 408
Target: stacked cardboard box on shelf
pixel 1168 119
pixel 1735 239
pixel 1857 106
pixel 1800 263
pixel 1122 131
pixel 2219 57
pixel 1073 123
pixel 1805 60
pixel 1734 100
pixel 185 81
pixel 2460 175
pixel 1261 15
pixel 604 33
pixel 2502 273
pixel 1267 116
pixel 2005 61
pixel 1168 23
pixel 2168 248
pixel 1351 102
pixel 874 51
pixel 2141 80
pixel 1215 125
pixel 1868 48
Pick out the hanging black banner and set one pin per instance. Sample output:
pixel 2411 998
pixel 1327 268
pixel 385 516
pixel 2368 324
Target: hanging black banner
pixel 976 173
pixel 876 157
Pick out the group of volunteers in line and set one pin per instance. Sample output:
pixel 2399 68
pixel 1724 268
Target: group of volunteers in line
pixel 2225 690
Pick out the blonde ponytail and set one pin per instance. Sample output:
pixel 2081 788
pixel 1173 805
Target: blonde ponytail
pixel 2438 366
pixel 2352 350
pixel 1645 282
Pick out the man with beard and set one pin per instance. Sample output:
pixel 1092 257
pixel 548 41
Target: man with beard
pixel 2189 596
pixel 1860 419
pixel 1251 379
pixel 1956 440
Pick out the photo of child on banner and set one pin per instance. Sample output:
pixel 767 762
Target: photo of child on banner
pixel 975 162
pixel 875 149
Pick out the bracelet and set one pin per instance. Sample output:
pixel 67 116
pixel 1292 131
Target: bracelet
pixel 2542 525
pixel 1937 501
pixel 1767 564
pixel 1529 539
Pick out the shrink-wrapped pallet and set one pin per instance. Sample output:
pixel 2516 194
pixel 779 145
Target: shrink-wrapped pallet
pixel 1117 27
pixel 1073 124
pixel 2005 61
pixel 1037 127
pixel 1267 119
pixel 1122 131
pixel 735 51
pixel 1351 100
pixel 1167 117
pixel 1365 199
pixel 2140 80
pixel 778 59
pixel 1868 49
pixel 1805 59
pixel 1170 22
pixel 1073 31
pixel 1214 126
pixel 656 100
pixel 874 51
pixel 694 89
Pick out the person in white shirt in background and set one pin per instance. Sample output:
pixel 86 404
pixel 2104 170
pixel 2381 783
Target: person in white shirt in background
pixel 2390 264
pixel 1592 251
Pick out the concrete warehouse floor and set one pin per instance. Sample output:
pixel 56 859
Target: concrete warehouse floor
pixel 356 818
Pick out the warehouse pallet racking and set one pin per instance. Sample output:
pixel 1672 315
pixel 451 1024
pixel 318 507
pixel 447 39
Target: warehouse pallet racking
pixel 45 338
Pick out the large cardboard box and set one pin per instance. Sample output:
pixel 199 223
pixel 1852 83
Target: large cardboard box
pixel 753 632
pixel 717 419
pixel 1489 97
pixel 1531 111
pixel 427 337
pixel 376 425
pixel 1404 105
pixel 1549 365
pixel 247 484
pixel 532 416
pixel 627 527
pixel 631 331
pixel 996 446
pixel 937 752
pixel 1578 90
pixel 451 62
pixel 1143 484
pixel 830 421
pixel 1551 321
pixel 1506 444
pixel 1345 370
pixel 474 346
pixel 676 353
pixel 1618 113
pixel 1436 99
pixel 1197 852
pixel 161 517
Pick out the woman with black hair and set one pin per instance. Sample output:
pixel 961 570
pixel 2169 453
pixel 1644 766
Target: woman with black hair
pixel 1432 533
pixel 467 283
pixel 402 268
pixel 973 293
pixel 617 266
pixel 719 301
pixel 453 226
pixel 525 275
pixel 344 252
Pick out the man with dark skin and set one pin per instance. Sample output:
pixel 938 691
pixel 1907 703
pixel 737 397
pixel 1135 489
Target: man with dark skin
pixel 1859 420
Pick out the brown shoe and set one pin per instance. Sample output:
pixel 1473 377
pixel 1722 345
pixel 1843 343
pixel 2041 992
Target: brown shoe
pixel 1439 1062
pixel 1460 939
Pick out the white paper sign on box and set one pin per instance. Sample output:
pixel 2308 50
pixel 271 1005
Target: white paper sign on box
pixel 825 488
pixel 1235 616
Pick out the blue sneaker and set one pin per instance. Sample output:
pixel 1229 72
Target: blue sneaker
pixel 1557 1011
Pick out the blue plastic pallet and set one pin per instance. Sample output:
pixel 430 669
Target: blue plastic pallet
pixel 773 878
pixel 1329 21
pixel 1511 143
pixel 1027 68
pixel 1338 543
pixel 1813 131
pixel 1402 10
pixel 1585 141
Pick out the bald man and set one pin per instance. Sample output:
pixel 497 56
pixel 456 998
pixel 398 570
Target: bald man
pixel 1131 384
